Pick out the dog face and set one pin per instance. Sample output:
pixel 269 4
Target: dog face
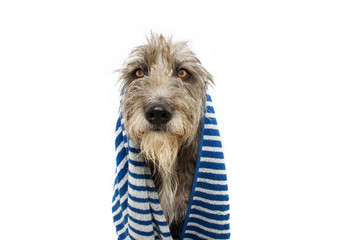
pixel 164 95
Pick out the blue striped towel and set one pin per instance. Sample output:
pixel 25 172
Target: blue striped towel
pixel 136 208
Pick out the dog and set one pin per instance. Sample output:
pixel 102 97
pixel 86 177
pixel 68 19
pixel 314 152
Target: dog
pixel 164 86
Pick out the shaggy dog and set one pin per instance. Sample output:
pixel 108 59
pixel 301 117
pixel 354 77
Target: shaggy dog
pixel 164 93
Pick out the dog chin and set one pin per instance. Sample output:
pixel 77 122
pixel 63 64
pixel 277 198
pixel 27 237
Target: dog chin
pixel 161 148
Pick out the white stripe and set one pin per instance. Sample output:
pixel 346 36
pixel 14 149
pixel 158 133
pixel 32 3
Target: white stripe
pixel 134 144
pixel 118 131
pixel 208 103
pixel 209 170
pixel 212 160
pixel 124 214
pixel 119 148
pixel 208 229
pixel 138 194
pixel 117 210
pixel 160 228
pixel 211 126
pixel 217 192
pixel 120 184
pixel 121 219
pixel 122 199
pixel 140 227
pixel 224 203
pixel 136 157
pixel 206 210
pixel 195 233
pixel 209 115
pixel 212 149
pixel 137 182
pixel 153 195
pixel 222 222
pixel 121 165
pixel 221 182
pixel 116 200
pixel 214 138
pixel 121 231
pixel 137 169
pixel 140 216
pixel 145 217
pixel 133 234
pixel 124 133
pixel 116 187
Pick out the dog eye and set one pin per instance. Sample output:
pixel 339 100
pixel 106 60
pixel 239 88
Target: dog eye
pixel 139 73
pixel 182 73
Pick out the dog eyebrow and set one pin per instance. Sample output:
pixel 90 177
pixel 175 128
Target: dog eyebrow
pixel 137 64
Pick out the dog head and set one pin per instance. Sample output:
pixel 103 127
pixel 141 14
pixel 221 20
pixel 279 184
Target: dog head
pixel 164 92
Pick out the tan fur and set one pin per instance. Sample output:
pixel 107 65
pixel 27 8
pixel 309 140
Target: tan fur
pixel 171 153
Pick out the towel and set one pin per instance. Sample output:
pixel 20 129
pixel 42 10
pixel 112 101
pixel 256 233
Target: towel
pixel 136 208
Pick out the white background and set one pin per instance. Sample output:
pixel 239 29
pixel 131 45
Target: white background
pixel 287 99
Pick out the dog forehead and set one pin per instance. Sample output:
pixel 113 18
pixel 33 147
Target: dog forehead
pixel 161 52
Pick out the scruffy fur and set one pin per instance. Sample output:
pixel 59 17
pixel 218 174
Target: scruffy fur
pixel 170 152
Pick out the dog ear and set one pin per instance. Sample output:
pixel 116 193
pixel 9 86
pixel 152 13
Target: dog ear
pixel 206 76
pixel 210 79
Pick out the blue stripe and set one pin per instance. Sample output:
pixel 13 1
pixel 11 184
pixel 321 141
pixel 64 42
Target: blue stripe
pixel 213 176
pixel 145 211
pixel 212 165
pixel 141 222
pixel 211 206
pixel 141 211
pixel 134 150
pixel 215 197
pixel 143 233
pixel 211 186
pixel 142 200
pixel 120 156
pixel 118 123
pixel 122 206
pixel 166 234
pixel 137 163
pixel 118 141
pixel 116 193
pixel 193 236
pixel 118 217
pixel 210 215
pixel 210 109
pixel 210 235
pixel 158 212
pixel 212 143
pixel 142 188
pixel 122 224
pixel 209 154
pixel 140 176
pixel 211 132
pixel 124 188
pixel 210 225
pixel 160 223
pixel 123 235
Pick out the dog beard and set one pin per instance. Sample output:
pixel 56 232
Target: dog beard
pixel 161 148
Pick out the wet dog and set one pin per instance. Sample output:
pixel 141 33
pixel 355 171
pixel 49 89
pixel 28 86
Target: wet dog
pixel 164 93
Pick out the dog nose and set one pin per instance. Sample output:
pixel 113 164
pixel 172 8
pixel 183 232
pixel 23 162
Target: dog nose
pixel 158 113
